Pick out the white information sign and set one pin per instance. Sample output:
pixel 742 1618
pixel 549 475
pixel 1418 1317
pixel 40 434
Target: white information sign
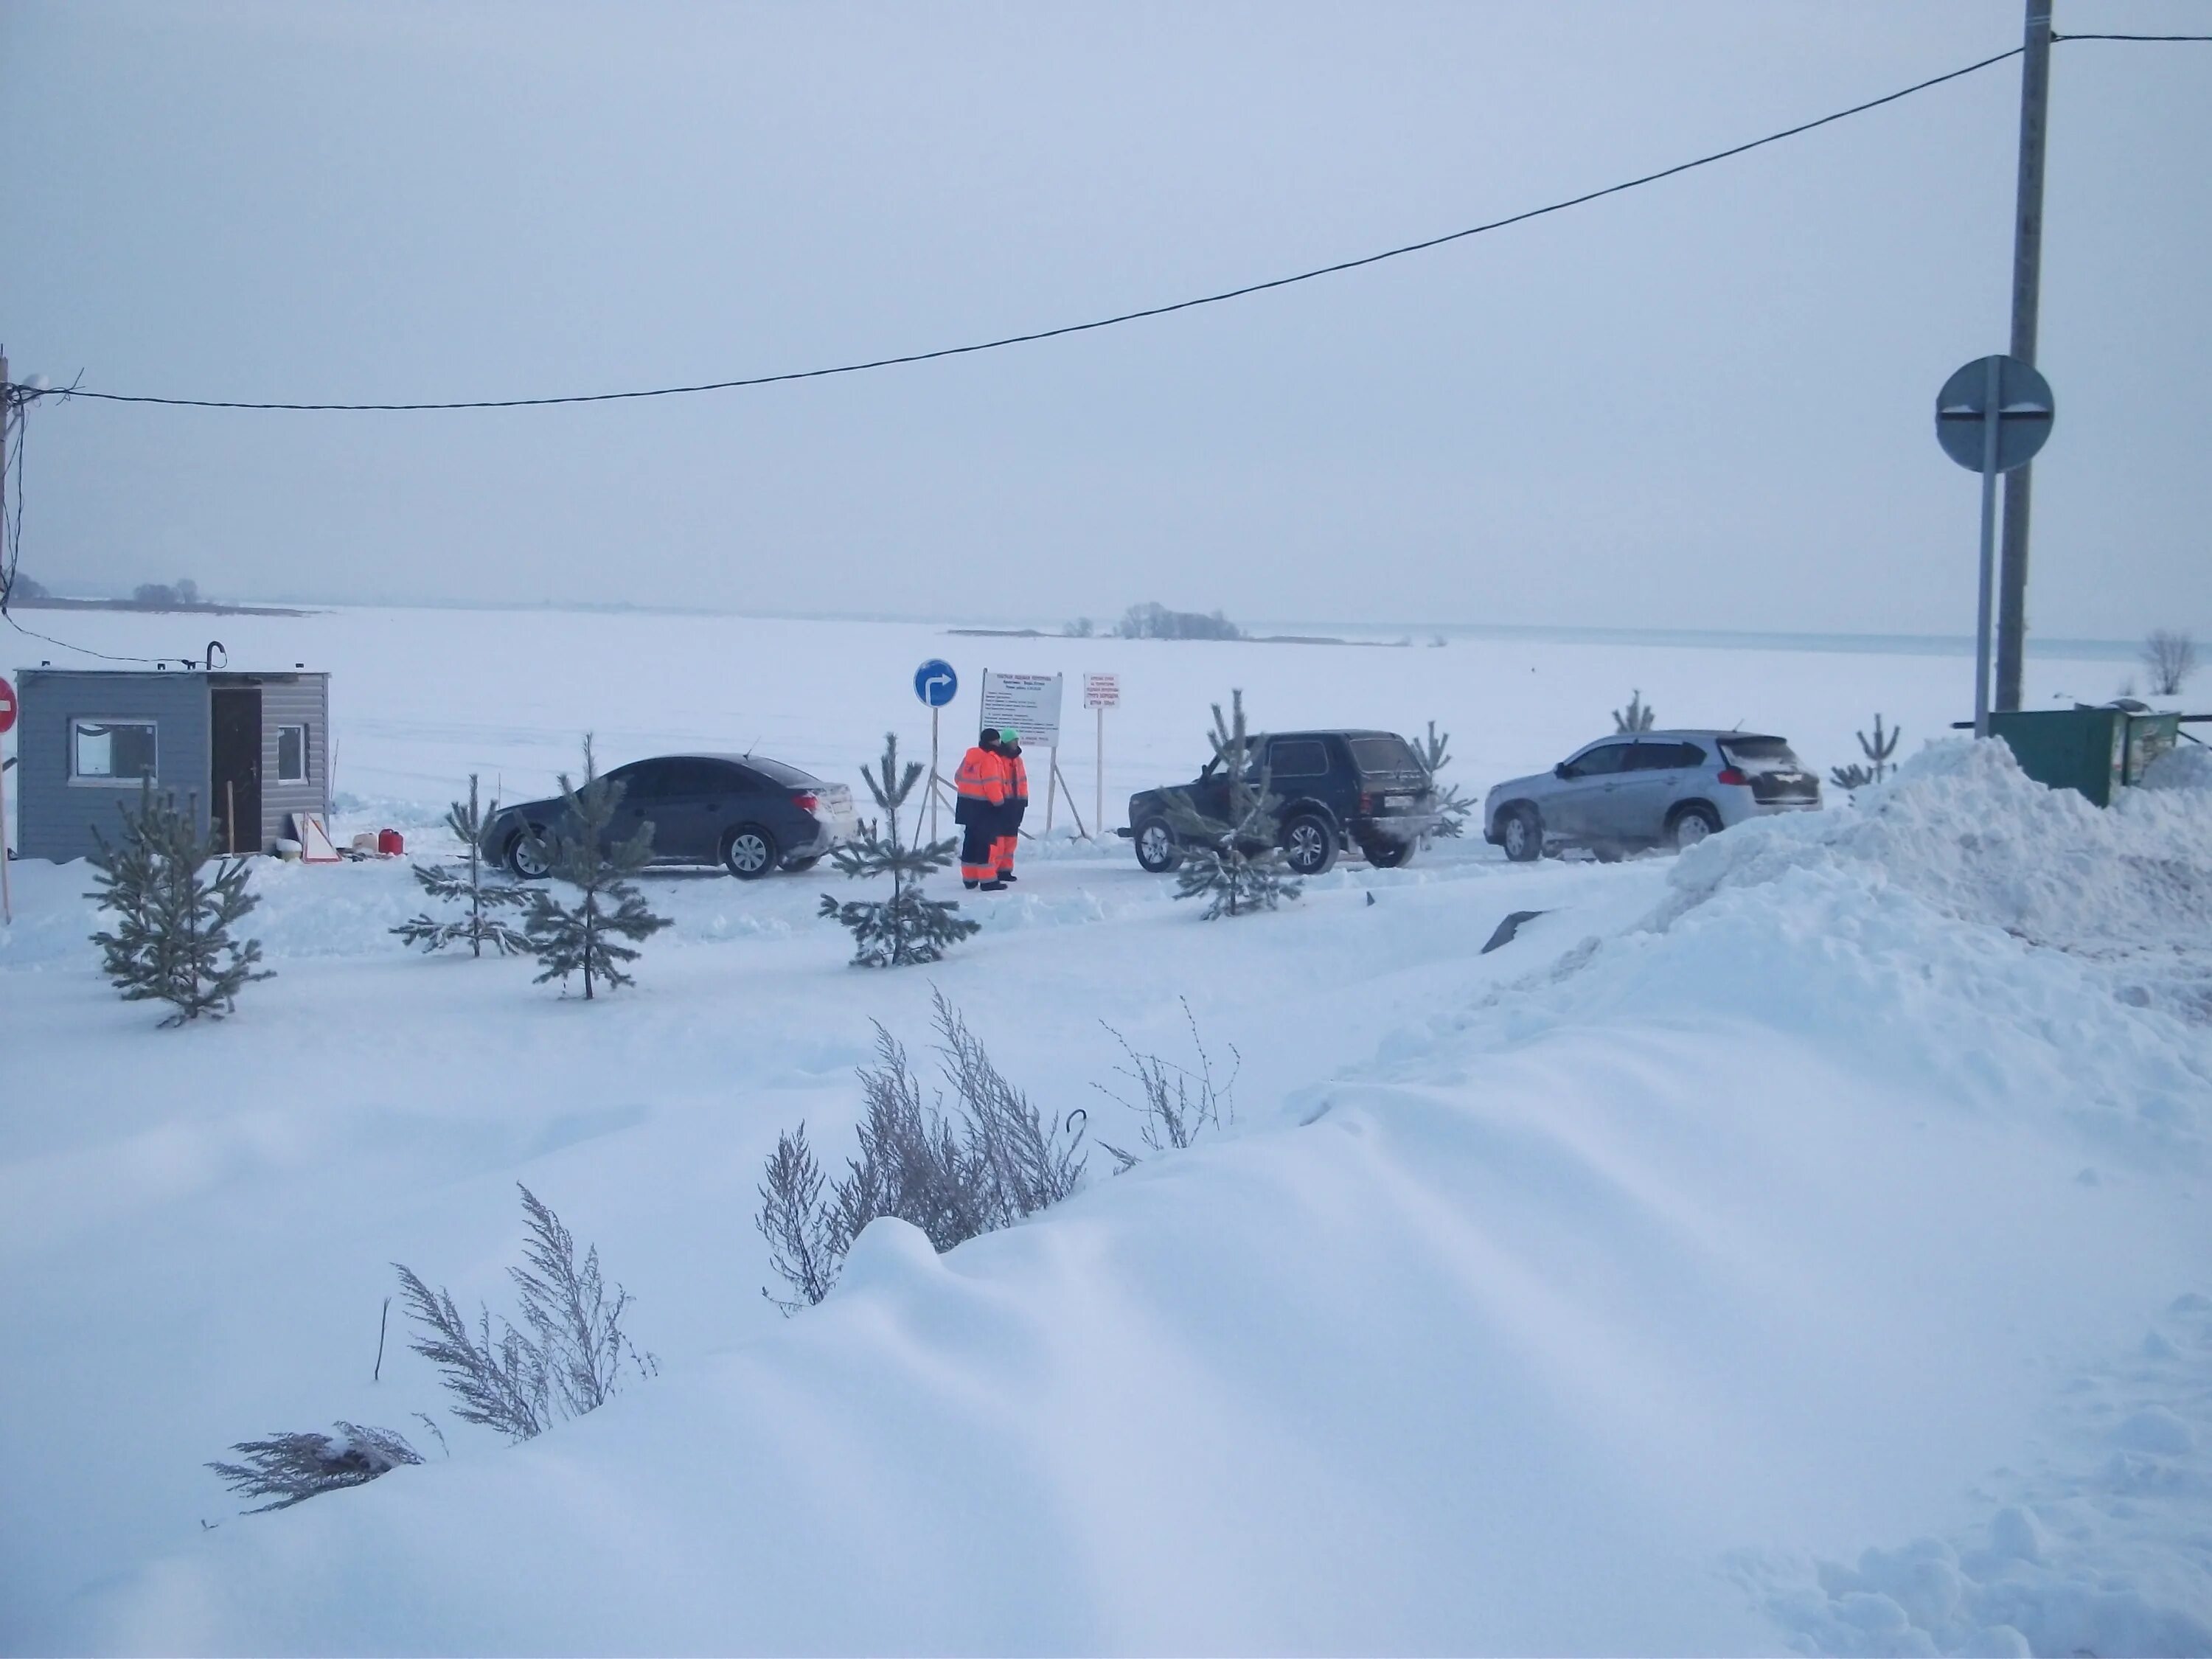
pixel 1102 691
pixel 1028 702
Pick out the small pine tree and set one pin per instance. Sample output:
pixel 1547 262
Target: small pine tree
pixel 1636 717
pixel 908 927
pixel 172 939
pixel 1879 748
pixel 1234 863
pixel 1435 754
pixel 580 938
pixel 482 924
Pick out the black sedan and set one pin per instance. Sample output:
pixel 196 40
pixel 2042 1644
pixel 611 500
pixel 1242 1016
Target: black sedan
pixel 749 814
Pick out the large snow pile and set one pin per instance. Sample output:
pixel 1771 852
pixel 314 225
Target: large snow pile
pixel 1811 1253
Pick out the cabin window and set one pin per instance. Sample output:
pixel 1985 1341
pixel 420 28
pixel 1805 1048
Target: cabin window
pixel 111 751
pixel 291 754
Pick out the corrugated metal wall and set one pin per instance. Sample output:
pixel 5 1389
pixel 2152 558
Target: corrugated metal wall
pixel 302 700
pixel 57 814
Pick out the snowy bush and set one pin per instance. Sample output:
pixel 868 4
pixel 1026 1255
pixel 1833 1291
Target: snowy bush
pixel 980 1164
pixel 1233 862
pixel 480 923
pixel 569 1356
pixel 1636 717
pixel 1174 1104
pixel 1435 753
pixel 171 941
pixel 290 1469
pixel 580 938
pixel 907 928
pixel 2170 658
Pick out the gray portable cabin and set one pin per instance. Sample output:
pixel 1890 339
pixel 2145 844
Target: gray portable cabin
pixel 242 751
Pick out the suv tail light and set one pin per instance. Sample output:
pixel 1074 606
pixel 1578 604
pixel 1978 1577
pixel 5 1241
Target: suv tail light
pixel 1729 774
pixel 1366 804
pixel 806 800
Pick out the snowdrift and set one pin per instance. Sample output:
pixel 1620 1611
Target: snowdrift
pixel 1819 1261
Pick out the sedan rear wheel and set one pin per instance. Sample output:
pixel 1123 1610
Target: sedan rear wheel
pixel 749 851
pixel 1692 824
pixel 528 854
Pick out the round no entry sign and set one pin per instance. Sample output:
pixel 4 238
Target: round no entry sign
pixel 7 705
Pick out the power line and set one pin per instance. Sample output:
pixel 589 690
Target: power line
pixel 2056 38
pixel 1115 320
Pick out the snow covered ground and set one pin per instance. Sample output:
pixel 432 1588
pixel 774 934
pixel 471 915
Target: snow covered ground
pixel 1801 1243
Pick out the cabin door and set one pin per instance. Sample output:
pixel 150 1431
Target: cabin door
pixel 236 808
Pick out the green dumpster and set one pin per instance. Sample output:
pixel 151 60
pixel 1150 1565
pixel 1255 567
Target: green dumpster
pixel 2095 750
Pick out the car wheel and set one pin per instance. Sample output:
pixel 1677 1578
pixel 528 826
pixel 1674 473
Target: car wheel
pixel 1691 824
pixel 1310 842
pixel 1156 847
pixel 529 856
pixel 750 851
pixel 800 866
pixel 1521 835
pixel 1386 855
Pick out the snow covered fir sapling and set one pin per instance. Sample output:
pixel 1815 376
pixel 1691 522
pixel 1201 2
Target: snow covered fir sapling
pixel 171 940
pixel 1234 862
pixel 1877 749
pixel 1636 717
pixel 982 1162
pixel 479 922
pixel 583 937
pixel 1434 752
pixel 909 927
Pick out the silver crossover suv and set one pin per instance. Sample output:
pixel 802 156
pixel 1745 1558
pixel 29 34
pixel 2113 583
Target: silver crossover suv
pixel 1647 789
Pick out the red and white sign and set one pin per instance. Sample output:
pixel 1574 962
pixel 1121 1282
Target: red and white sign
pixel 7 705
pixel 1102 691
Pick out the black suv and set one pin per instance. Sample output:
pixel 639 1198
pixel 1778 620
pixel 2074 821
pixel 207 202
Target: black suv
pixel 746 813
pixel 1340 791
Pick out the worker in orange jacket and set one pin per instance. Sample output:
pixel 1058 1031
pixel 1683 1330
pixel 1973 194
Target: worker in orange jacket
pixel 1018 804
pixel 980 789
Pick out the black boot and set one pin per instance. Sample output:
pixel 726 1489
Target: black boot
pixel 994 885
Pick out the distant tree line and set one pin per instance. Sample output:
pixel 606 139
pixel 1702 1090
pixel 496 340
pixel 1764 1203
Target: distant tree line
pixel 168 596
pixel 1152 621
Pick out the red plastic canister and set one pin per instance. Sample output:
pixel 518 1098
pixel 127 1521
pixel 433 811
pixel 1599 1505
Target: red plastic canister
pixel 390 841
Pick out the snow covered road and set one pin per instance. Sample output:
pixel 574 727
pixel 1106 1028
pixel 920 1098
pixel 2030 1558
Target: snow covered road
pixel 1799 1243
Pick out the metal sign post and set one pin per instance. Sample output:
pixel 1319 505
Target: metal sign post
pixel 1100 692
pixel 936 684
pixel 7 720
pixel 1991 416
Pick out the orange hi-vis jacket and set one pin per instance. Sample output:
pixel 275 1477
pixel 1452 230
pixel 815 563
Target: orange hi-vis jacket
pixel 981 784
pixel 1017 777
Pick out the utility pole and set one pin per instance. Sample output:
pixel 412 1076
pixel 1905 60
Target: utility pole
pixel 2026 299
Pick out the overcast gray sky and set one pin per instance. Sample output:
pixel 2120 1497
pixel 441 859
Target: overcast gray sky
pixel 1706 404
